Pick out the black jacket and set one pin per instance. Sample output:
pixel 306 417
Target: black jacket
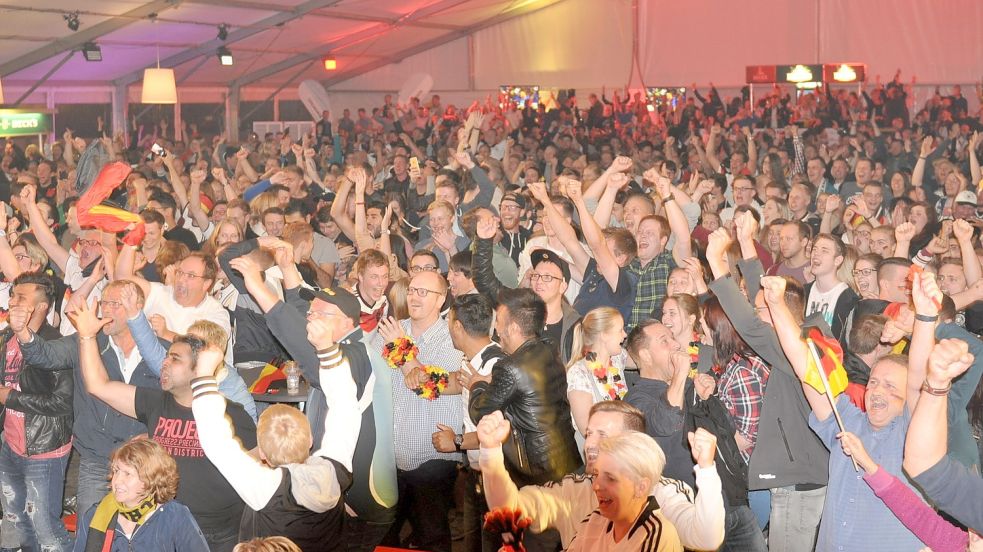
pixel 45 398
pixel 788 452
pixel 254 340
pixel 530 388
pixel 841 311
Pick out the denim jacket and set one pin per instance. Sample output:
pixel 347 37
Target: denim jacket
pixel 170 528
pixel 153 352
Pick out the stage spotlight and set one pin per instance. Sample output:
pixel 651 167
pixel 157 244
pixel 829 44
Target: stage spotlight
pixel 330 63
pixel 91 51
pixel 72 19
pixel 224 55
pixel 223 31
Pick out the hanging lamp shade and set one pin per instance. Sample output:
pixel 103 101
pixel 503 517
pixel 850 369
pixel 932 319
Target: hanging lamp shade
pixel 1 93
pixel 158 86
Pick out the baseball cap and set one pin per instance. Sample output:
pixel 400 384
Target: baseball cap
pixel 343 299
pixel 549 256
pixel 967 197
pixel 518 199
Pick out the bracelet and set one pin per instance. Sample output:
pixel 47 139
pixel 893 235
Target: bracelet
pixel 86 337
pixel 926 318
pixel 359 203
pixel 935 391
pixel 668 199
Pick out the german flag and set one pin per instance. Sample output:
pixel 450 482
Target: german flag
pixel 94 213
pixel 831 357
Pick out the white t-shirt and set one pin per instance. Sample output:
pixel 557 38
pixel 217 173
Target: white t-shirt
pixel 161 301
pixel 486 370
pixel 824 302
pixel 542 242
pixel 73 280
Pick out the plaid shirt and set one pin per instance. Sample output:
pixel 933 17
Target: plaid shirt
pixel 741 389
pixel 653 279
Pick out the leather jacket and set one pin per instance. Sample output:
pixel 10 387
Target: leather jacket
pixel 44 397
pixel 530 388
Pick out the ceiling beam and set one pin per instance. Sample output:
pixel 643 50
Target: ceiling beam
pixel 87 34
pixel 346 41
pixel 241 33
pixel 526 9
pixel 391 19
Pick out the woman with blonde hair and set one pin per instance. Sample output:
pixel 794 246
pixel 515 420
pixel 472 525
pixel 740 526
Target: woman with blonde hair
pixel 226 231
pixel 258 206
pixel 267 544
pixel 140 512
pixel 627 517
pixel 596 370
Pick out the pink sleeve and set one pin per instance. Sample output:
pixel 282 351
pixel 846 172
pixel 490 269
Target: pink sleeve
pixel 918 517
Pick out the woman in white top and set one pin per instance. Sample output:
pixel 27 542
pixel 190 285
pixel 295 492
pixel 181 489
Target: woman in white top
pixel 597 370
pixel 627 517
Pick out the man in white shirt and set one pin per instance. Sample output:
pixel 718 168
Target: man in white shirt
pixel 828 294
pixel 173 308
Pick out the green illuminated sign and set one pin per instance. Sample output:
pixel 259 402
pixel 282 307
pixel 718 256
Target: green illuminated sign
pixel 18 123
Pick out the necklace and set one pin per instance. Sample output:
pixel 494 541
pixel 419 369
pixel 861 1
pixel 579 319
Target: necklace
pixel 608 378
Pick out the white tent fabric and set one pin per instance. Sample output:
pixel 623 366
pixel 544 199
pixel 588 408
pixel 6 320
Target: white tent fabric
pixel 470 47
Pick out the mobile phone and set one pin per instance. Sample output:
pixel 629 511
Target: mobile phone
pixel 414 164
pixel 158 150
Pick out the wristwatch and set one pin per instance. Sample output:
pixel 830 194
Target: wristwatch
pixel 458 442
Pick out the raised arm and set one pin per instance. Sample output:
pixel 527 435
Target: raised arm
pixel 118 395
pixel 46 238
pixel 253 481
pixel 606 263
pixel 564 230
pixel 974 161
pixel 597 187
pixel 180 192
pixel 928 432
pixel 683 248
pixel 194 202
pixel 918 173
pixel 789 335
pixel 927 297
pixel 152 352
pixel 124 268
pixel 963 231
pixel 8 263
pixel 711 150
pixel 605 205
pixel 339 209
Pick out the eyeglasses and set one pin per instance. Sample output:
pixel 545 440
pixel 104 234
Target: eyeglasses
pixel 319 314
pixel 546 278
pixel 422 292
pixel 864 271
pixel 743 189
pixel 89 243
pixel 22 256
pixel 190 275
pixel 110 304
pixel 423 268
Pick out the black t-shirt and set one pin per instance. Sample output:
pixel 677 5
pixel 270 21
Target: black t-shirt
pixel 203 489
pixel 555 333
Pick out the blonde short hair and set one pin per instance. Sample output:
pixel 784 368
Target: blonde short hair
pixel 267 544
pixel 637 454
pixel 283 435
pixel 214 335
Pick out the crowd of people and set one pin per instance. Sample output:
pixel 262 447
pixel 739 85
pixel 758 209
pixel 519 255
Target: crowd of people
pixel 592 314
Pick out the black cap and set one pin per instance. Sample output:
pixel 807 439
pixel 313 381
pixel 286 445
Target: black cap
pixel 518 199
pixel 343 299
pixel 550 256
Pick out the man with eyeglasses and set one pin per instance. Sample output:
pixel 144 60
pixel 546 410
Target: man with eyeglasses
pixel 336 313
pixel 743 189
pixel 173 308
pixel 98 429
pixel 423 261
pixel 425 477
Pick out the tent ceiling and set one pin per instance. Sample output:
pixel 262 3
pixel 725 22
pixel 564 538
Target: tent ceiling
pixel 271 40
